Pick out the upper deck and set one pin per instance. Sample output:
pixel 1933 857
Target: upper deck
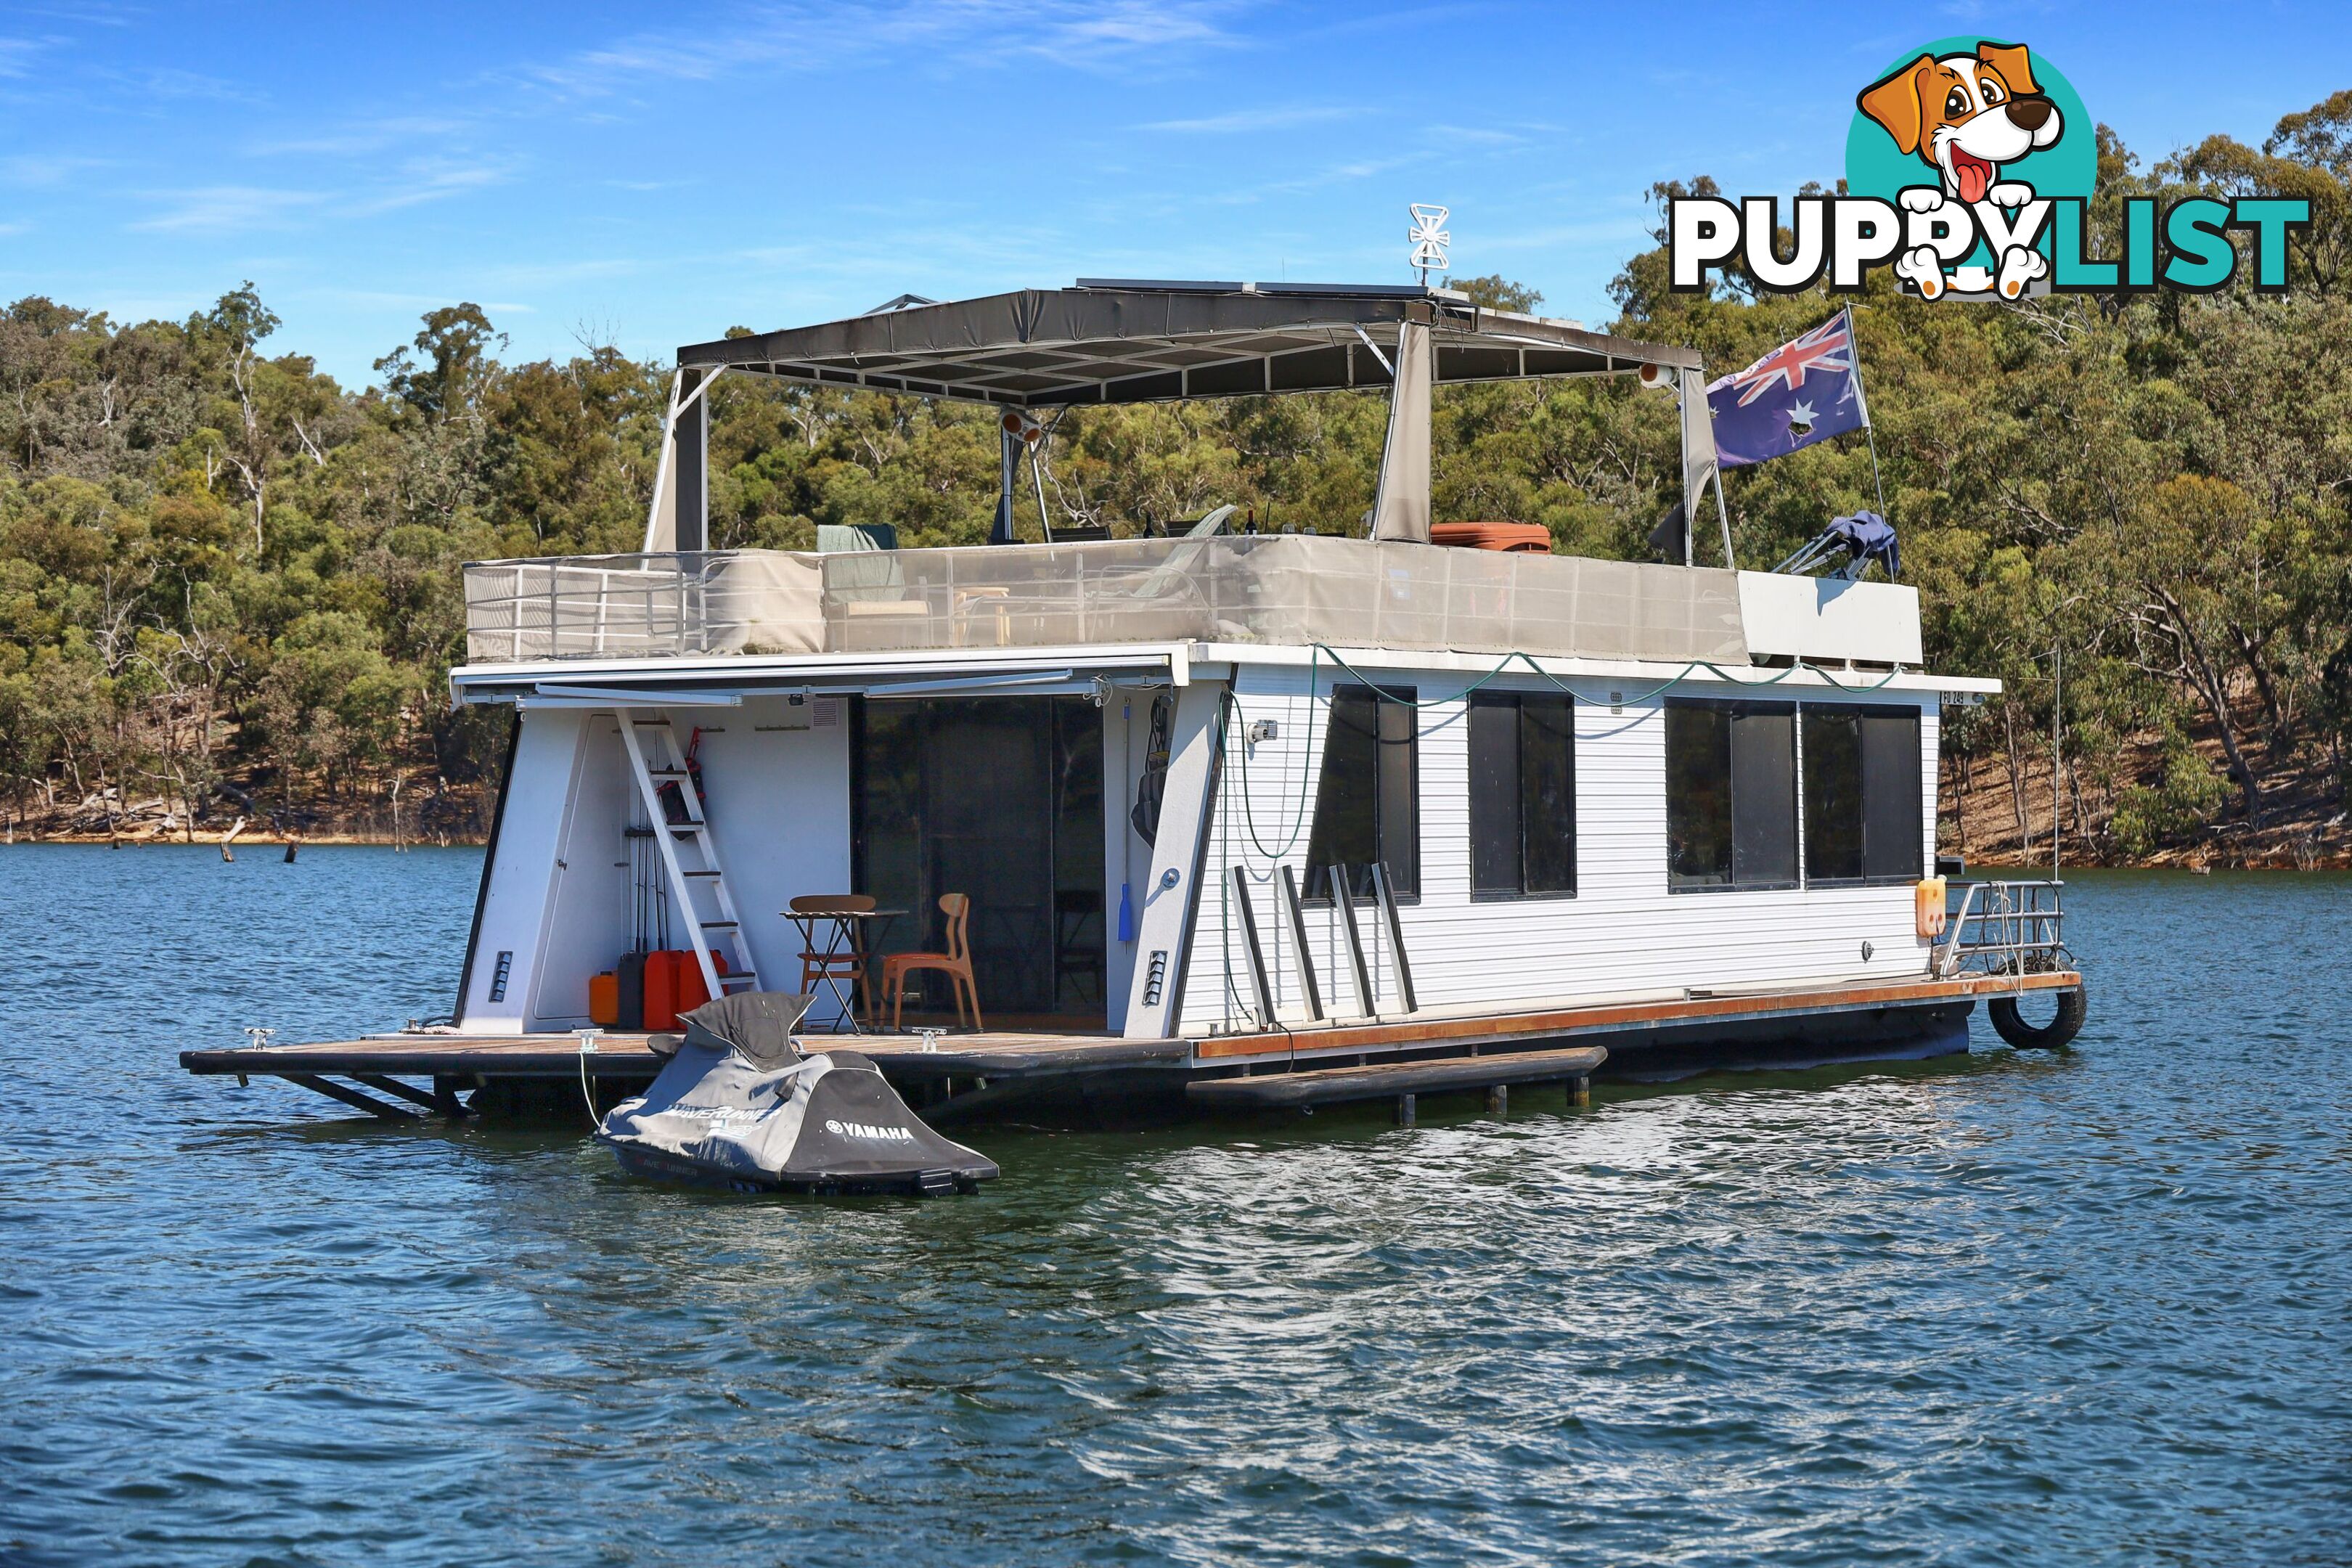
pixel 1273 590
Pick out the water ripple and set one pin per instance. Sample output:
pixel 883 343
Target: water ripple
pixel 2089 1309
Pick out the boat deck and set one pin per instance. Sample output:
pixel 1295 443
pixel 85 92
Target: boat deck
pixel 969 1075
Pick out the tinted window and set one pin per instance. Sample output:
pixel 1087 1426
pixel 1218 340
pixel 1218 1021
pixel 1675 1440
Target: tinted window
pixel 1862 793
pixel 1763 795
pixel 1832 794
pixel 1698 795
pixel 1731 795
pixel 1367 804
pixel 1547 791
pixel 1894 836
pixel 1522 794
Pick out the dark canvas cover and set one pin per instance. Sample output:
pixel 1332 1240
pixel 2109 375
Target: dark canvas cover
pixel 826 1119
pixel 759 1024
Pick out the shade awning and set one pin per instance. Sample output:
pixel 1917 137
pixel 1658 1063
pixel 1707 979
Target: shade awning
pixel 1108 341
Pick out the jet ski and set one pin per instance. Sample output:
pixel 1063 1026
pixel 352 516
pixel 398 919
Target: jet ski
pixel 738 1105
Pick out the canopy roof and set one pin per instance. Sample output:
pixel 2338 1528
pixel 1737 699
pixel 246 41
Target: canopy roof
pixel 1126 340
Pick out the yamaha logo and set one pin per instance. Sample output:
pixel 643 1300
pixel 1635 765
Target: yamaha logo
pixel 860 1129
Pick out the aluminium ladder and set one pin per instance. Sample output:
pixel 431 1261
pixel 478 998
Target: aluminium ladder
pixel 665 751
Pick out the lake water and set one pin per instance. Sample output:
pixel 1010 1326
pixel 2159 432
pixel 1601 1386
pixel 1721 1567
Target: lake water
pixel 2093 1307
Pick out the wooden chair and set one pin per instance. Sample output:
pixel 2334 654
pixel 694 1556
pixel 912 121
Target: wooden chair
pixel 956 961
pixel 851 966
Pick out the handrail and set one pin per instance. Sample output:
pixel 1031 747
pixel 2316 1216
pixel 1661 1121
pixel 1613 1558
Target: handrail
pixel 2004 928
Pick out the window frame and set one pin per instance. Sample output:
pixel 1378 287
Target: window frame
pixel 1516 702
pixel 1914 836
pixel 1733 710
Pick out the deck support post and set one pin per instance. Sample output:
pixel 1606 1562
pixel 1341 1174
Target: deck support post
pixel 1405 1109
pixel 1579 1092
pixel 1498 1099
pixel 444 1097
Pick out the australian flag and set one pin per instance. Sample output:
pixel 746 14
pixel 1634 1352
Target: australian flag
pixel 1797 394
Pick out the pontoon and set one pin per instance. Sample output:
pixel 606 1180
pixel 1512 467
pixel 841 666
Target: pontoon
pixel 1244 820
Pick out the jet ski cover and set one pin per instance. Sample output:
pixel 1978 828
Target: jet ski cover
pixel 738 1105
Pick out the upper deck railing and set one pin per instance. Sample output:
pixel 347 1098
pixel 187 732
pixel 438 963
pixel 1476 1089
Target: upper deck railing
pixel 1291 589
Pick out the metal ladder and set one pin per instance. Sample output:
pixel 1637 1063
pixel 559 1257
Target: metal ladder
pixel 665 762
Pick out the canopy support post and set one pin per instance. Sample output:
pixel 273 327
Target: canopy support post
pixel 1700 464
pixel 1401 506
pixel 1008 474
pixel 690 431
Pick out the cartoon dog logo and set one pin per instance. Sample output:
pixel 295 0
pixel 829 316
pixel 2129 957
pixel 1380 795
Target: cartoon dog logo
pixel 1965 115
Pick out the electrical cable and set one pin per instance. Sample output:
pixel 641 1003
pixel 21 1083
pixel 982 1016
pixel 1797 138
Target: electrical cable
pixel 1230 709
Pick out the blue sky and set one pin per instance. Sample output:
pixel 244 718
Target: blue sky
pixel 649 175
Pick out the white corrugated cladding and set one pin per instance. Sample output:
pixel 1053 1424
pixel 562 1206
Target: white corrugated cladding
pixel 1622 933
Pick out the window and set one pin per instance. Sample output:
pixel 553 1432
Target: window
pixel 1731 795
pixel 1863 804
pixel 1522 794
pixel 1861 793
pixel 1832 794
pixel 1366 801
pixel 1894 835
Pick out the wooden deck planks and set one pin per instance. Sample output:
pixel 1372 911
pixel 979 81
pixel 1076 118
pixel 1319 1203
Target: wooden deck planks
pixel 626 1055
pixel 1006 1054
pixel 1475 1031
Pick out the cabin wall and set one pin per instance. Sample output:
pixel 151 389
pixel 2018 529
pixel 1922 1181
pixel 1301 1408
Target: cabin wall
pixel 1167 960
pixel 520 889
pixel 586 926
pixel 1126 859
pixel 776 775
pixel 776 780
pixel 1622 933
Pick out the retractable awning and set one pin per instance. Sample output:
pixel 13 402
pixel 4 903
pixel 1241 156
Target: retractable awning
pixel 1123 341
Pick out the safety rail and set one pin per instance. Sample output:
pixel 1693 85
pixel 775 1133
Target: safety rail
pixel 1292 589
pixel 2004 928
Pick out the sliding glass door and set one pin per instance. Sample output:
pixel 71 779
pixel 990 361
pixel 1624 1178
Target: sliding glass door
pixel 1000 798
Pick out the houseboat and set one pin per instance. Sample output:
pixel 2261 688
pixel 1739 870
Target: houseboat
pixel 1206 818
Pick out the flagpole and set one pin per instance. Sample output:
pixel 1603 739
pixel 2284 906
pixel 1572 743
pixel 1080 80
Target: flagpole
pixel 1854 338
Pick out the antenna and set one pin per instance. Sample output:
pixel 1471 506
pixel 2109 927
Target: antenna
pixel 1428 239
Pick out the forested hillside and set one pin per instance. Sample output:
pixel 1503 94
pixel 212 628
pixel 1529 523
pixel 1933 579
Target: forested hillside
pixel 230 587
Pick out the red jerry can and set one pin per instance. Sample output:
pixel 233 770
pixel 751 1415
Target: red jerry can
pixel 674 985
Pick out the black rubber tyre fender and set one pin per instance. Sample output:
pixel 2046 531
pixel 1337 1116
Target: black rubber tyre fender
pixel 2010 1025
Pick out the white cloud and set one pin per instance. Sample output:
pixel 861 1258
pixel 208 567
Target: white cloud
pixel 430 180
pixel 1244 120
pixel 229 209
pixel 44 169
pixel 16 54
pixel 368 135
pixel 817 34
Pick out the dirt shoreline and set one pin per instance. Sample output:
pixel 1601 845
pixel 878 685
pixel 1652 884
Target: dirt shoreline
pixel 2182 860
pixel 248 840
